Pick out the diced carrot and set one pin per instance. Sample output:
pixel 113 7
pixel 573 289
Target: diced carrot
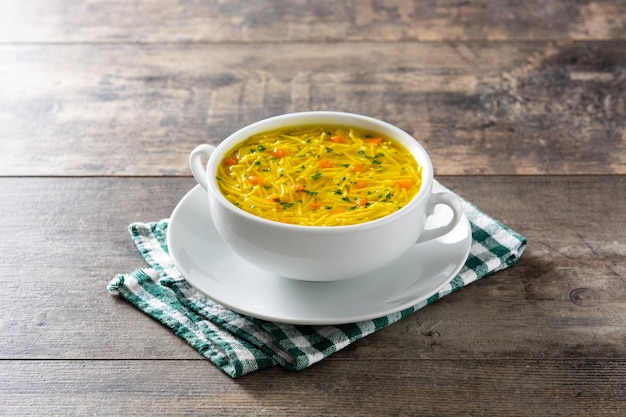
pixel 230 161
pixel 374 141
pixel 336 139
pixel 361 201
pixel 273 197
pixel 279 152
pixel 255 180
pixel 298 187
pixel 360 184
pixel 405 183
pixel 357 168
pixel 316 204
pixel 324 163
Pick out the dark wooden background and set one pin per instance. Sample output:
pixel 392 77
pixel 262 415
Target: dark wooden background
pixel 522 106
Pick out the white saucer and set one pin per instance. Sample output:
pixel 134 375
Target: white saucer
pixel 209 265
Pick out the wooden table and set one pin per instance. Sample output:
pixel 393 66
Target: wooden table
pixel 522 106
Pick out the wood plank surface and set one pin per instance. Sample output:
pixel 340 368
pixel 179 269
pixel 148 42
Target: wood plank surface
pixel 167 21
pixel 564 299
pixel 479 108
pixel 522 106
pixel 577 387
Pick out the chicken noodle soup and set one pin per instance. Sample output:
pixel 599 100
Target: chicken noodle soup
pixel 319 176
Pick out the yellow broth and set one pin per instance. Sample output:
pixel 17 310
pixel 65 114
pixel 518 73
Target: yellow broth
pixel 319 176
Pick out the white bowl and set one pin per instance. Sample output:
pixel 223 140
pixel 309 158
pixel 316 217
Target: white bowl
pixel 318 253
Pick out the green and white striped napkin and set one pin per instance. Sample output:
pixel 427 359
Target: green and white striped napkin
pixel 239 344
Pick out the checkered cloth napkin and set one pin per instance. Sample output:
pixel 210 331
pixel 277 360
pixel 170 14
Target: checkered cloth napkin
pixel 239 344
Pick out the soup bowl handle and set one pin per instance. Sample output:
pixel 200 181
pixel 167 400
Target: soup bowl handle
pixel 195 163
pixel 449 200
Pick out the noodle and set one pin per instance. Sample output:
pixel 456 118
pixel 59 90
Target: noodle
pixel 320 176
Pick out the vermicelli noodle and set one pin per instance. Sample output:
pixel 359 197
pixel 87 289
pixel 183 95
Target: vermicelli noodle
pixel 319 176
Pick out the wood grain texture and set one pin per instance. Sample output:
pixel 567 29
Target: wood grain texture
pixel 166 21
pixel 479 108
pixel 564 299
pixel 445 387
pixel 520 104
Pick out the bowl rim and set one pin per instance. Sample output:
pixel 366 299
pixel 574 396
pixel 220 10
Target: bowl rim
pixel 302 119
